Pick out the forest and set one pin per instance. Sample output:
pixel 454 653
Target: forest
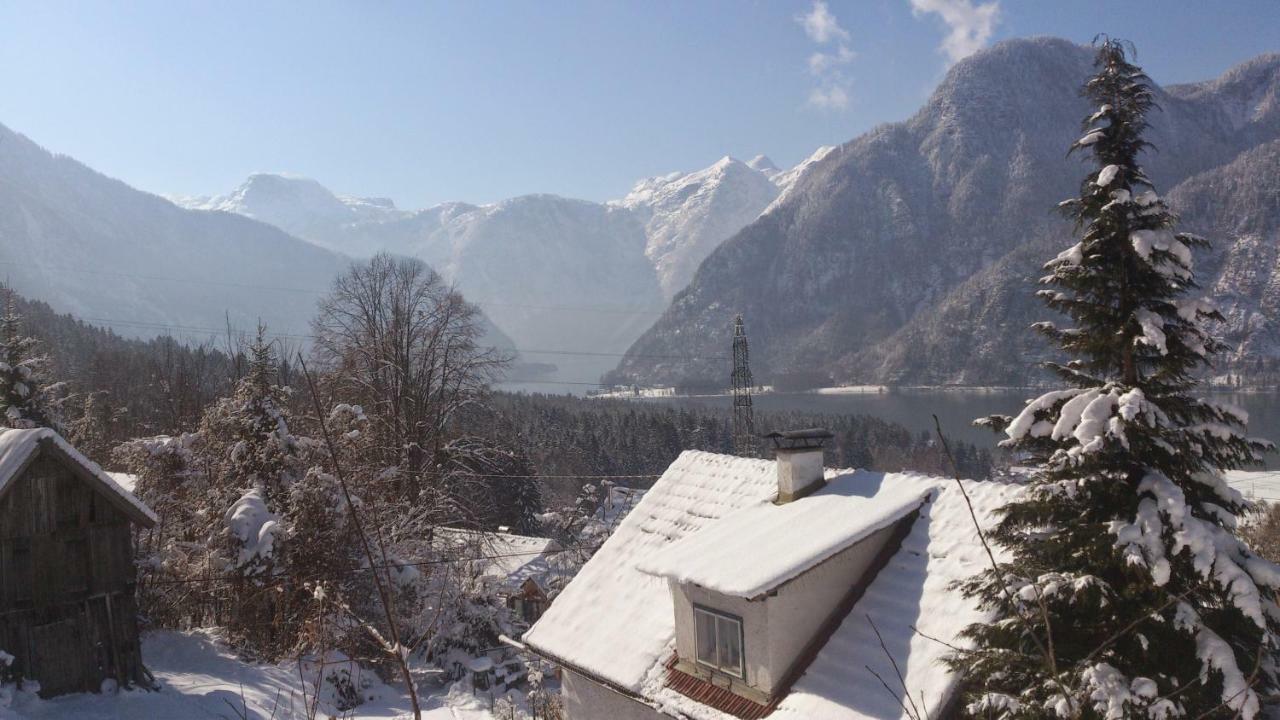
pixel 302 487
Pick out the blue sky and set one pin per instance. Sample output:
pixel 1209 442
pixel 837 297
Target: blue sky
pixel 426 101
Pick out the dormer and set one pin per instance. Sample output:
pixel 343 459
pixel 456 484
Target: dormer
pixel 757 592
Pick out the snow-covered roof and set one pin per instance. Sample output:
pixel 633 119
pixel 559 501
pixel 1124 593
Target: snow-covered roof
pixel 19 447
pixel 617 623
pixel 504 556
pixel 760 547
pixel 128 481
pixel 1261 485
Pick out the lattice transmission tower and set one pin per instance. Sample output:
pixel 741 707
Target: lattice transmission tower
pixel 744 433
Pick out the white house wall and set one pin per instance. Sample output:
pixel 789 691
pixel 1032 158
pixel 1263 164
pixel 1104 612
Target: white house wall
pixel 585 699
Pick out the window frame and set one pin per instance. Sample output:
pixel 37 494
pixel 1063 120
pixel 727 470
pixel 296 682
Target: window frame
pixel 717 615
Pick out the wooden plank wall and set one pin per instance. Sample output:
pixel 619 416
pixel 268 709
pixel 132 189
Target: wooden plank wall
pixel 67 607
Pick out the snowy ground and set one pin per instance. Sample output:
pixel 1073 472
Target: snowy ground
pixel 1256 485
pixel 199 678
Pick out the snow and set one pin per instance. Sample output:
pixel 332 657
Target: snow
pixel 254 526
pixel 801 534
pixel 1256 485
pixel 1107 174
pixel 687 215
pixel 199 677
pixel 1091 138
pixel 1152 330
pixel 19 446
pixel 128 481
pixel 507 558
pixel 617 622
pixel 853 390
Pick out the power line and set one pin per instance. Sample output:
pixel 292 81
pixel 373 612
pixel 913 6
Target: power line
pixel 297 336
pixel 273 577
pixel 612 310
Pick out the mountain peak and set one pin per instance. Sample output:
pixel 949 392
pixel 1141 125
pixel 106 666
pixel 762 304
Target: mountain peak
pixel 763 164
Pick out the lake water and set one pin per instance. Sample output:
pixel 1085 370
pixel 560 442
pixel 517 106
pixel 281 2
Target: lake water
pixel 956 409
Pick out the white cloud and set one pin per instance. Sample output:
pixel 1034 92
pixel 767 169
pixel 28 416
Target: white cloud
pixel 834 97
pixel 821 62
pixel 820 25
pixel 970 25
pixel 826 63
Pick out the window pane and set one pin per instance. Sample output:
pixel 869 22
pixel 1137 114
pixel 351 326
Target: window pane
pixel 729 645
pixel 706 629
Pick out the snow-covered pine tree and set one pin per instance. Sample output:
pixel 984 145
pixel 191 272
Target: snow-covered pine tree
pixel 253 460
pixel 1126 592
pixel 253 423
pixel 24 390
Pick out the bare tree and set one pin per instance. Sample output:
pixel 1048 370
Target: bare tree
pixel 395 337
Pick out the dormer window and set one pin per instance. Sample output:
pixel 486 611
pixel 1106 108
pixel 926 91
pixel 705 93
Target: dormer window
pixel 719 640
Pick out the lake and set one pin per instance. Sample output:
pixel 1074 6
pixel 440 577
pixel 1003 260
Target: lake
pixel 956 409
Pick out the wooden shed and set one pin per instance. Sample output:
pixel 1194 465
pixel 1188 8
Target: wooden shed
pixel 67 609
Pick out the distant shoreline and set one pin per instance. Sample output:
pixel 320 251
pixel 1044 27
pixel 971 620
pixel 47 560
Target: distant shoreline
pixel 665 393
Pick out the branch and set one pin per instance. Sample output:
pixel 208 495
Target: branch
pixel 1046 653
pixel 378 579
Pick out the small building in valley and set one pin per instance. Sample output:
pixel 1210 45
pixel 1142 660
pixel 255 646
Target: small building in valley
pixel 745 588
pixel 68 614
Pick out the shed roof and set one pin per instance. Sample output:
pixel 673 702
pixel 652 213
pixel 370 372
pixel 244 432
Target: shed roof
pixel 18 448
pixel 756 549
pixel 616 623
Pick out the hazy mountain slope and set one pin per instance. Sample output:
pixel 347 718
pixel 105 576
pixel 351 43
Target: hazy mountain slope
pixel 94 247
pixel 553 273
pixel 900 256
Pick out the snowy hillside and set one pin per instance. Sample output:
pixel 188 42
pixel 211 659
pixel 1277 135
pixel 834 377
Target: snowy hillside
pixel 907 254
pixel 97 248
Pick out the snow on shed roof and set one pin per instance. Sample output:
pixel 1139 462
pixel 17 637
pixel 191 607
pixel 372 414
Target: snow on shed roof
pixel 617 623
pixel 128 481
pixel 19 447
pixel 760 547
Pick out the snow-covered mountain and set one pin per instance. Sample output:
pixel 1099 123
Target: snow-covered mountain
pixel 553 273
pixel 686 215
pixel 301 207
pixel 113 255
pixel 908 255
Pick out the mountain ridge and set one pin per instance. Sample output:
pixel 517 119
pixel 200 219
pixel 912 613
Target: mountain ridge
pixel 947 209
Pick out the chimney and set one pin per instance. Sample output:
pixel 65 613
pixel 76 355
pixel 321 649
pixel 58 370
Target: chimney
pixel 799 454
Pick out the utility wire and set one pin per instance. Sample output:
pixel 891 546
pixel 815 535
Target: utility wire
pixel 614 310
pixel 230 577
pixel 299 336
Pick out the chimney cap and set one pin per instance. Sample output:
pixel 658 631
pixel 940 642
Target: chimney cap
pixel 806 439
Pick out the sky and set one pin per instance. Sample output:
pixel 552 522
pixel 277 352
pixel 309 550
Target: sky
pixel 426 102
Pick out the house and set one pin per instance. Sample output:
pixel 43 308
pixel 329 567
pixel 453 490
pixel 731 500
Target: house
pixel 529 601
pixel 502 564
pixel 753 588
pixel 67 610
